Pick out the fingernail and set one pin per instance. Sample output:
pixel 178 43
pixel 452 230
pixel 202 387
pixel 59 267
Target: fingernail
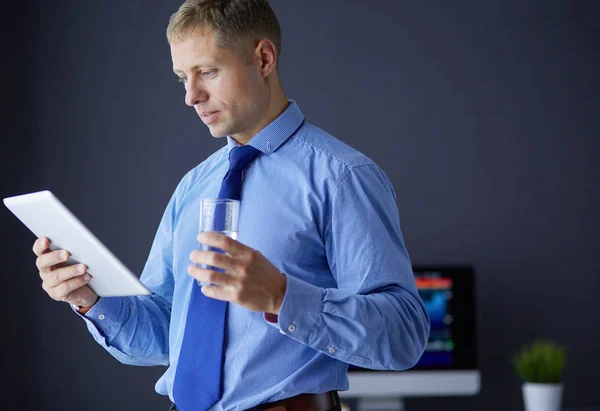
pixel 80 268
pixel 63 255
pixel 87 277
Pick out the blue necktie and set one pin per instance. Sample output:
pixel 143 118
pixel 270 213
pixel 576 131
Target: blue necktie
pixel 198 379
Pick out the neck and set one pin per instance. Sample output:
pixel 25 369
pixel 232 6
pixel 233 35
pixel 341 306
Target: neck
pixel 278 103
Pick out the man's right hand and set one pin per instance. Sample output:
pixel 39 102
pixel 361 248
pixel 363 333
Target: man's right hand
pixel 62 282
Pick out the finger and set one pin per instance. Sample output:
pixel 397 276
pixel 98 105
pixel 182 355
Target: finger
pixel 61 275
pixel 61 291
pixel 210 276
pixel 40 246
pixel 218 293
pixel 225 243
pixel 45 261
pixel 212 258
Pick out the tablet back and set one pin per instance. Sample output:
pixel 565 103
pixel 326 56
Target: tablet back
pixel 46 216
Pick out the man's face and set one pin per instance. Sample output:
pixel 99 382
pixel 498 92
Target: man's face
pixel 228 91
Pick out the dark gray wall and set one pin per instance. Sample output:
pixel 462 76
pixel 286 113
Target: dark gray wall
pixel 484 116
pixel 16 343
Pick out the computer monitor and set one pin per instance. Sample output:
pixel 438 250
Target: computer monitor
pixel 448 367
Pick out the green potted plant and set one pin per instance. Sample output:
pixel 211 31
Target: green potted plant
pixel 540 366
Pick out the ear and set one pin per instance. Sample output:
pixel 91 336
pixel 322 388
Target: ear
pixel 266 53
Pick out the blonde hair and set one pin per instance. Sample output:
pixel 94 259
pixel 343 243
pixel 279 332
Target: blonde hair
pixel 237 23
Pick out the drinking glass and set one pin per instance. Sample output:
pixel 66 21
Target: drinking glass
pixel 220 215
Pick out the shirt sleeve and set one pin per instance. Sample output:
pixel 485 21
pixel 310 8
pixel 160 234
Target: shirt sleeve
pixel 135 330
pixel 374 318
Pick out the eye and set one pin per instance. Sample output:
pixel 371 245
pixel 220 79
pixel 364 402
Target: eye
pixel 182 79
pixel 209 73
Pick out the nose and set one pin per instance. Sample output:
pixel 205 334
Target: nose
pixel 195 94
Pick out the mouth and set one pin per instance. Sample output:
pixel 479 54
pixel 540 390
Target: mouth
pixel 208 116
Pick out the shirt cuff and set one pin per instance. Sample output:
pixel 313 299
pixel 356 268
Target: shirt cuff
pixel 300 310
pixel 104 314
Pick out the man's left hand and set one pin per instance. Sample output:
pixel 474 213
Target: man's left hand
pixel 250 280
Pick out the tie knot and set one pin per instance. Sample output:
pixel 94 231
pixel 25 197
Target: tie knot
pixel 241 156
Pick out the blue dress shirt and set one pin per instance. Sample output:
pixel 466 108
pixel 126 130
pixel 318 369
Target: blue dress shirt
pixel 325 215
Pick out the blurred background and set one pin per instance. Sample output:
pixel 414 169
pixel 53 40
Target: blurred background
pixel 483 114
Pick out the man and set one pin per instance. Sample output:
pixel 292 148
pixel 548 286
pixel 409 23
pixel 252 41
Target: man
pixel 318 277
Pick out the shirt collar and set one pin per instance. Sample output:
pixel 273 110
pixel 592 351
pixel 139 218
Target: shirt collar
pixel 276 133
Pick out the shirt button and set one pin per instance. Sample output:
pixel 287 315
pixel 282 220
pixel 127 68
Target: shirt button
pixel 331 350
pixel 101 317
pixel 268 146
pixel 292 328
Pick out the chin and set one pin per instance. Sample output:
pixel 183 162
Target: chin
pixel 217 132
pixel 219 135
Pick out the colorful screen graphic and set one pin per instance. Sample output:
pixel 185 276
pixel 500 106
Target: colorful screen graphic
pixel 436 292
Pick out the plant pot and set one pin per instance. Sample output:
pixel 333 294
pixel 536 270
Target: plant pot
pixel 542 397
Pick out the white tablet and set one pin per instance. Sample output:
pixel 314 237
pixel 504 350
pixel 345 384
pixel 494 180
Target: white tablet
pixel 46 216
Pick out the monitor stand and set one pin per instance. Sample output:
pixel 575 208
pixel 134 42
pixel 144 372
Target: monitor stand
pixel 380 404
